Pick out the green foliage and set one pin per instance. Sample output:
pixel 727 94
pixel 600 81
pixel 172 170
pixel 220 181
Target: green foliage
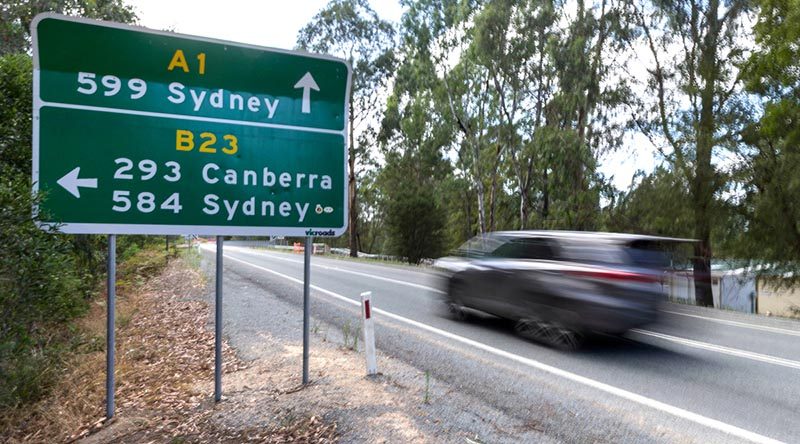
pixel 415 224
pixel 16 17
pixel 15 112
pixel 45 278
pixel 414 166
pixel 524 96
pixel 659 205
pixel 40 290
pixel 771 208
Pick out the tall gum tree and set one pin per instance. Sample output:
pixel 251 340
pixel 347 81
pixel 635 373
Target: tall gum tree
pixel 352 30
pixel 584 117
pixel 436 43
pixel 693 48
pixel 511 42
pixel 772 194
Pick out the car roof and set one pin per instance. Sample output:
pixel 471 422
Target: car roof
pixel 587 235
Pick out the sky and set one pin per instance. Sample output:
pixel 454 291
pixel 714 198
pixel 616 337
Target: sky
pixel 275 24
pixel 270 23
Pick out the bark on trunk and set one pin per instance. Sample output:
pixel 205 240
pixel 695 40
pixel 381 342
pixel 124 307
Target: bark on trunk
pixel 703 186
pixel 493 190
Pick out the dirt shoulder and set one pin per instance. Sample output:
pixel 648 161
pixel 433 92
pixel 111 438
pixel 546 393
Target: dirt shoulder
pixel 164 375
pixel 165 393
pixel 165 363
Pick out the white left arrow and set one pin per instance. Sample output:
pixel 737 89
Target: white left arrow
pixel 307 83
pixel 71 183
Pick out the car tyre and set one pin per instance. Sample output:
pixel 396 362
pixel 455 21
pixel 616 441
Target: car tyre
pixel 550 333
pixel 455 307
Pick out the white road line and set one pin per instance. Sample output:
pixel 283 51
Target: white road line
pixel 720 349
pixel 643 400
pixel 277 253
pixel 342 270
pixel 738 324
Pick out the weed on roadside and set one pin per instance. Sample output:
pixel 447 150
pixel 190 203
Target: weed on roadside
pixel 191 256
pixel 350 336
pixel 426 399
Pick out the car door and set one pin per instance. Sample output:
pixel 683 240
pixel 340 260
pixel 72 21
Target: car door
pixel 493 283
pixel 529 275
pixel 474 281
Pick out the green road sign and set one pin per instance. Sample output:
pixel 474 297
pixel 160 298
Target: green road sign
pixel 145 132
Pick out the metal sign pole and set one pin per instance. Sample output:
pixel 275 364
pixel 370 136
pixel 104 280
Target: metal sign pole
pixel 306 308
pixel 110 321
pixel 218 326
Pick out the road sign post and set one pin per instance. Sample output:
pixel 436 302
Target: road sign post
pixel 218 323
pixel 111 305
pixel 138 131
pixel 307 250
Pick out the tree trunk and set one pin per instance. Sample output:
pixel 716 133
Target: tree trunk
pixel 479 188
pixel 703 186
pixel 493 190
pixel 476 154
pixel 545 198
pixel 523 208
pixel 467 210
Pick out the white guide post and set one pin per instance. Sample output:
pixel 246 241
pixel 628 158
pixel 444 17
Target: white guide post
pixel 369 332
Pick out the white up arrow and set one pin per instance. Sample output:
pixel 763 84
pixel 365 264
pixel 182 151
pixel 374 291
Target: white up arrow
pixel 307 83
pixel 70 182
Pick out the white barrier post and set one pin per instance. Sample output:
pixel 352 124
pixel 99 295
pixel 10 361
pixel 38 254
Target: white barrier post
pixel 369 333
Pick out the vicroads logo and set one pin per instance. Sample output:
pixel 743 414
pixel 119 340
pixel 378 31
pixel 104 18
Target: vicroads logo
pixel 319 232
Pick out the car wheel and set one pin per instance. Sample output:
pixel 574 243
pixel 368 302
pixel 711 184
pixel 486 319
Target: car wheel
pixel 550 333
pixel 455 307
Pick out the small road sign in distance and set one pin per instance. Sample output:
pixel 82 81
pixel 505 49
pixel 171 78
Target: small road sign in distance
pixel 138 131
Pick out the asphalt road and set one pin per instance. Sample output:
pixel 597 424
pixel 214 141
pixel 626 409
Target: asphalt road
pixel 698 375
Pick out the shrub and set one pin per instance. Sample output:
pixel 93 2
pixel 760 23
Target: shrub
pixel 40 288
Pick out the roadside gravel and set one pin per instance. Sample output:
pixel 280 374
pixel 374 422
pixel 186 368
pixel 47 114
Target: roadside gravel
pixel 402 404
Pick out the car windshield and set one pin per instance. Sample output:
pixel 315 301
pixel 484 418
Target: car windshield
pixel 479 246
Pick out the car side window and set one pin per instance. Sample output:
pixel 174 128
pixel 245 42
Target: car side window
pixel 525 248
pixel 509 249
pixel 537 249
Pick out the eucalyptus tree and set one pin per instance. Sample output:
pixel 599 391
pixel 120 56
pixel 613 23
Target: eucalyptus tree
pixel 512 41
pixel 771 205
pixel 437 36
pixel 584 118
pixel 695 112
pixel 416 133
pixel 352 30
pixel 414 168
